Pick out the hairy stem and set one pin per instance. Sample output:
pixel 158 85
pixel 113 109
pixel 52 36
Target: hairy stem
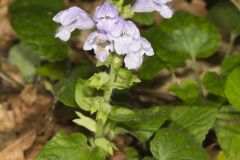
pixel 107 97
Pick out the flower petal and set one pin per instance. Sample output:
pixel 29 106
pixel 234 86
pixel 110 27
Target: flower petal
pixel 107 10
pixel 143 6
pixel 133 61
pixel 91 41
pixel 63 33
pixel 165 11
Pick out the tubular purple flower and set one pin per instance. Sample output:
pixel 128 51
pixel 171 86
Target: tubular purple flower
pixel 99 43
pixel 71 19
pixel 154 5
pixel 105 16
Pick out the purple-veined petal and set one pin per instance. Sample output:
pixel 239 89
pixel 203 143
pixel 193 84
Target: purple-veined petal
pixel 146 45
pixel 143 6
pixel 107 10
pixel 133 61
pixel 63 33
pixel 165 11
pixel 91 42
pixel 74 16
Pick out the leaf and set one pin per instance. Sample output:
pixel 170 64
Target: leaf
pixel 25 60
pixel 32 21
pixel 232 88
pixel 84 95
pixel 175 144
pixel 195 119
pixel 143 124
pixel 220 14
pixel 228 133
pixel 70 147
pixel 54 71
pixel 131 153
pixel 214 83
pixel 144 18
pixel 229 63
pixel 188 91
pixel 184 36
pixel 65 89
pixel 86 122
pixel 151 67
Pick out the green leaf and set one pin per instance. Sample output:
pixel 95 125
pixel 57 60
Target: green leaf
pixel 175 144
pixel 32 21
pixel 228 132
pixel 230 63
pixel 65 89
pixel 232 88
pixel 143 124
pixel 70 147
pixel 99 80
pixel 195 119
pixel 54 71
pixel 184 36
pixel 149 158
pixel 188 91
pixel 144 18
pixel 214 83
pixel 125 79
pixel 25 60
pixel 220 14
pixel 131 153
pixel 86 122
pixel 84 95
pixel 151 67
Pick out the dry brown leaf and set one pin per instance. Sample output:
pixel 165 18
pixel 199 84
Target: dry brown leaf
pixel 7 35
pixel 15 151
pixel 196 7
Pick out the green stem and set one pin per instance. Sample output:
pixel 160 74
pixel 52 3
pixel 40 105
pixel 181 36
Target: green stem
pixel 233 36
pixel 196 69
pixel 107 96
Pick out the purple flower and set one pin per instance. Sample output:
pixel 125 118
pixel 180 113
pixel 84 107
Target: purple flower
pixel 127 41
pixel 114 34
pixel 100 44
pixel 154 5
pixel 71 19
pixel 105 16
pixel 123 33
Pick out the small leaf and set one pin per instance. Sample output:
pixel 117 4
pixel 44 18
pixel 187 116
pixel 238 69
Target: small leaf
pixel 98 80
pixel 175 144
pixel 25 60
pixel 195 119
pixel 86 122
pixel 131 153
pixel 70 147
pixel 125 79
pixel 228 133
pixel 143 124
pixel 54 71
pixel 229 63
pixel 151 67
pixel 232 88
pixel 144 18
pixel 106 145
pixel 65 89
pixel 84 95
pixel 220 14
pixel 184 36
pixel 188 91
pixel 32 21
pixel 215 83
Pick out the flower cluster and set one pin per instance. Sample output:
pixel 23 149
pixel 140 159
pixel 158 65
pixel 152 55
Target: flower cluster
pixel 113 33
